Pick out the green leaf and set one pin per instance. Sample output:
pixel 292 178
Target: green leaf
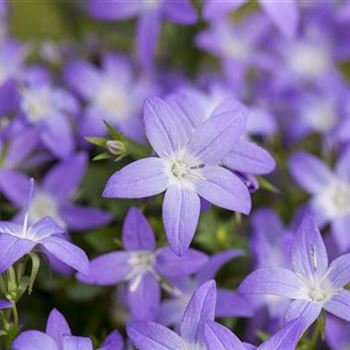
pixel 135 149
pixel 102 156
pixel 98 141
pixel 266 185
pixel 35 269
pixel 113 132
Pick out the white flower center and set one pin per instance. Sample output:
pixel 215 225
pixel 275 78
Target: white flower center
pixel 309 60
pixel 335 199
pixel 321 116
pixel 183 169
pixel 114 101
pixel 36 103
pixel 43 204
pixel 142 262
pixel 317 294
pixel 236 47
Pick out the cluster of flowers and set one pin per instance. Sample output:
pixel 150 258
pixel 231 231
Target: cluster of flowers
pixel 280 88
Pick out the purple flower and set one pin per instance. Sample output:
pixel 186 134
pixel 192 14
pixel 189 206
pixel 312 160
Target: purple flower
pixel 245 157
pixel 284 14
pixel 17 146
pixel 150 14
pixel 58 336
pixel 337 334
pixel 113 93
pixel 48 109
pixel 311 283
pixel 187 167
pixel 220 338
pixel 330 202
pixel 18 240
pixel 172 309
pixel 237 45
pixel 53 197
pixel 12 56
pixel 271 246
pixel 200 309
pixel 141 266
pixel 5 304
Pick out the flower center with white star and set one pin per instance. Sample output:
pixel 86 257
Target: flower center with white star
pixel 43 204
pixel 37 103
pixel 236 47
pixel 321 115
pixel 114 101
pixel 309 60
pixel 335 199
pixel 141 262
pixel 316 288
pixel 183 169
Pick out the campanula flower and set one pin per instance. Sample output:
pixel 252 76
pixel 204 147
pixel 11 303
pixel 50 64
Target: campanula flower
pixel 12 56
pixel 219 337
pixel 18 146
pixel 141 266
pixel 49 109
pixel 150 13
pixel 17 240
pixel 284 14
pixel 245 157
pixel 58 336
pixel 53 197
pixel 200 309
pixel 187 167
pixel 330 191
pixel 337 334
pixel 172 309
pixel 312 284
pixel 112 93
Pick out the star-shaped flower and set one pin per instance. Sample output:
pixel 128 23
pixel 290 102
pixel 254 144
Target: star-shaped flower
pixel 17 240
pixel 141 266
pixel 200 309
pixel 330 190
pixel 58 336
pixel 312 284
pixel 188 167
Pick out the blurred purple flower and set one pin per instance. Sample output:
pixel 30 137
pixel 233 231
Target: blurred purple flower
pixel 18 240
pixel 271 246
pixel 49 109
pixel 337 333
pixel 172 309
pixel 17 146
pixel 200 309
pixel 187 167
pixel 311 284
pixel 330 202
pixel 54 196
pixel 219 337
pixel 326 112
pixel 12 55
pixel 142 266
pixel 58 336
pixel 150 14
pixel 237 45
pixel 284 14
pixel 113 93
pixel 5 304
